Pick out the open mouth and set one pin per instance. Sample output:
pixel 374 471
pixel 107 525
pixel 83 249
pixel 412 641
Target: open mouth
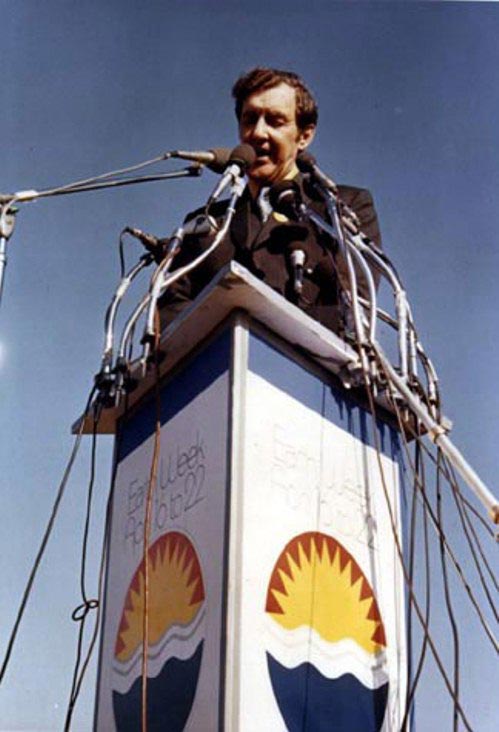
pixel 262 154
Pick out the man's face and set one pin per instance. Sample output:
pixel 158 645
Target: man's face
pixel 268 124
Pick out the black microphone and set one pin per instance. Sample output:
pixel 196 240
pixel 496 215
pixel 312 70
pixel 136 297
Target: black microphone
pixel 215 159
pixel 285 198
pixel 152 243
pixel 241 158
pixel 199 226
pixel 306 163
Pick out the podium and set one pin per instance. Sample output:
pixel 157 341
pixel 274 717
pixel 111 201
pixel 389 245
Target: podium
pixel 276 596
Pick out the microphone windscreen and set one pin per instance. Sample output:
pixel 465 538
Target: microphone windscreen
pixel 221 159
pixel 285 198
pixel 305 162
pixel 244 155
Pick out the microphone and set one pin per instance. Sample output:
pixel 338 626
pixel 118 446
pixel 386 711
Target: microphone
pixel 306 163
pixel 152 243
pixel 298 259
pixel 285 198
pixel 241 158
pixel 215 159
pixel 198 226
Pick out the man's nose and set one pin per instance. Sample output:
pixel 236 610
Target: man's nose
pixel 260 129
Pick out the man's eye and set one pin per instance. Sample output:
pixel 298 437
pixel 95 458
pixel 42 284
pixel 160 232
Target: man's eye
pixel 249 119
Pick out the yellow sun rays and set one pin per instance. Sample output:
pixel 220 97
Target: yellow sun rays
pixel 176 593
pixel 316 582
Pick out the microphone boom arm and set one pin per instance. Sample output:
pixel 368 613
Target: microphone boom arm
pixel 8 201
pixel 437 430
pixel 162 283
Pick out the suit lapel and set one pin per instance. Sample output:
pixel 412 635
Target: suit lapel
pixel 263 233
pixel 240 227
pixel 247 232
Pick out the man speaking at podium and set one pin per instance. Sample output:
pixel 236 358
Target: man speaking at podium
pixel 277 117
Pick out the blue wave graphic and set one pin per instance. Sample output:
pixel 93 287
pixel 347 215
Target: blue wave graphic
pixel 170 696
pixel 310 702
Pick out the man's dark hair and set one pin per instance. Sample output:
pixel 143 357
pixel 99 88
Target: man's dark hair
pixel 261 78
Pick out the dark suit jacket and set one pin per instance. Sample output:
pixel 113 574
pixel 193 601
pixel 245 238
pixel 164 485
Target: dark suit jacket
pixel 264 249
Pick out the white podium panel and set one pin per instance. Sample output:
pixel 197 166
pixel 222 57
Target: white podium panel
pixel 321 609
pixel 276 598
pixel 187 557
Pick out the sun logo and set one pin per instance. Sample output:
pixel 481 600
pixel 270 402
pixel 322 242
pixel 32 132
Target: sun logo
pixel 316 582
pixel 328 639
pixel 176 611
pixel 176 593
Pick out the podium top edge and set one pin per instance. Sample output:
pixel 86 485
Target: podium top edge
pixel 233 289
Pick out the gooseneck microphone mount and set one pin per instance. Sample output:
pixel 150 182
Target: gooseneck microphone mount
pixel 215 159
pixel 199 226
pixel 233 165
pixel 9 201
pixel 344 229
pixel 105 380
pixel 240 159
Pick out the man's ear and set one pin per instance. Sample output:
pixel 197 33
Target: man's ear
pixel 306 136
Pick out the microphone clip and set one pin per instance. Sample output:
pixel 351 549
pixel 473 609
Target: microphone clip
pixel 298 259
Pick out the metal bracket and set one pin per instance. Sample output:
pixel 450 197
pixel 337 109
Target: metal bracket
pixel 7 221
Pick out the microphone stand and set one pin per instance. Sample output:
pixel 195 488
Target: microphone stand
pixel 328 189
pixel 436 429
pixel 8 201
pixel 160 283
pixel 360 247
pixel 105 379
pixel 336 232
pixel 200 225
pixel 407 344
pixel 7 222
pixel 215 159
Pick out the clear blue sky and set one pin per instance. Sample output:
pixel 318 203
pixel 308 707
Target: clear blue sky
pixel 409 104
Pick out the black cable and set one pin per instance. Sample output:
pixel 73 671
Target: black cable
pixel 448 601
pixel 467 525
pixel 424 645
pixel 412 539
pixel 436 526
pixel 45 538
pixel 103 176
pixel 147 527
pixel 105 548
pixel 453 690
pixel 412 536
pixel 452 481
pixel 447 472
pixel 80 613
pixel 463 508
pixel 121 250
pixel 479 516
pixel 410 587
pixel 130 342
pixel 89 505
